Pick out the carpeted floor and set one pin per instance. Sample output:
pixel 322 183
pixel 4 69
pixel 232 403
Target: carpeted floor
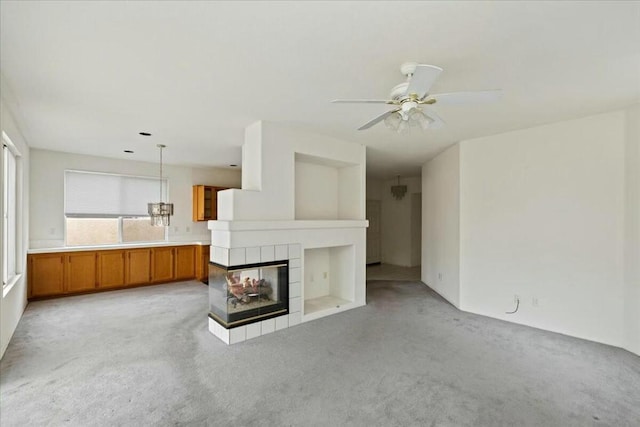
pixel 144 357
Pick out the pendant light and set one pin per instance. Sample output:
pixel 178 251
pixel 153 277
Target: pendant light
pixel 398 191
pixel 160 212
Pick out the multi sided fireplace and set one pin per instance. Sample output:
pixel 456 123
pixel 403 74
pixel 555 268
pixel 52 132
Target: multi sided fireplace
pixel 239 295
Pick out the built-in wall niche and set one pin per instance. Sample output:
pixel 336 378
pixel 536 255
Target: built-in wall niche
pixel 327 189
pixel 329 278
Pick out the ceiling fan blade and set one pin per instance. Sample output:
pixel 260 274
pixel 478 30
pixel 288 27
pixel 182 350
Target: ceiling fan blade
pixel 422 79
pixel 437 121
pixel 359 101
pixel 378 119
pixel 463 98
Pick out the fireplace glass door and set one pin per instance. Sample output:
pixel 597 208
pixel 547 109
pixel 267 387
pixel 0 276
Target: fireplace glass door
pixel 250 293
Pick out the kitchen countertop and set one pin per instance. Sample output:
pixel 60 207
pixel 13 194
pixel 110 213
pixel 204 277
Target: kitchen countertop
pixel 108 247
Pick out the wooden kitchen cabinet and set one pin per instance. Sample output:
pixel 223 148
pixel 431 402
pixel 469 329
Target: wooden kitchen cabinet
pixel 46 274
pixel 185 262
pixel 202 262
pixel 138 266
pixel 111 269
pixel 162 264
pixel 80 271
pixel 74 272
pixel 205 202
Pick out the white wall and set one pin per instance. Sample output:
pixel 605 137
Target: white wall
pixel 632 231
pixel 316 264
pixel 316 191
pixel 542 216
pixel 550 214
pixel 278 146
pixel 374 189
pixel 396 231
pixel 416 229
pixel 441 224
pixel 47 192
pixel 14 299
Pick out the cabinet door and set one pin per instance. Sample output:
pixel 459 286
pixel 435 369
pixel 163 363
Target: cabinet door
pixel 205 202
pixel 138 266
pixel 46 275
pixel 185 262
pixel 110 269
pixel 209 201
pixel 162 264
pixel 202 262
pixel 81 271
pixel 198 207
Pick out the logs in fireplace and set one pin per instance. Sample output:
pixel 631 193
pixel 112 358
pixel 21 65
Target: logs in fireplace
pixel 239 295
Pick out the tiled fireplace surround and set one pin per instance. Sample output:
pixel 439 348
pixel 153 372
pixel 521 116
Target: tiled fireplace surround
pixel 254 255
pixel 302 200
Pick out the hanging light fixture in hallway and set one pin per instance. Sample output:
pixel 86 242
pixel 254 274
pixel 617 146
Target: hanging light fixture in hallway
pixel 398 191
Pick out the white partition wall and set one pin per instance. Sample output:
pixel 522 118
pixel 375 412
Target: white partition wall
pixel 306 193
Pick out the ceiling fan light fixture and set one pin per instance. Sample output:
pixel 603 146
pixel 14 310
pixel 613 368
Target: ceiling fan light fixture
pixel 393 121
pixel 420 119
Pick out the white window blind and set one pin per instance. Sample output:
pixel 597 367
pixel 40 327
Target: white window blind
pixel 90 194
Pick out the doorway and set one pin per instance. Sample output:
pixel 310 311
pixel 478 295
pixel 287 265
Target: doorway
pixel 373 232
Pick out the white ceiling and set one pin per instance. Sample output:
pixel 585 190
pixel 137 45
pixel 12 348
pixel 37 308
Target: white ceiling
pixel 86 77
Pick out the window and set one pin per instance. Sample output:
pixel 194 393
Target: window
pixel 10 222
pixel 103 209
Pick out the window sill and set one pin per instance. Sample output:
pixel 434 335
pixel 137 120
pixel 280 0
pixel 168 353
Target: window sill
pixel 7 288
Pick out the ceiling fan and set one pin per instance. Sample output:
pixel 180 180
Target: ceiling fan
pixel 412 101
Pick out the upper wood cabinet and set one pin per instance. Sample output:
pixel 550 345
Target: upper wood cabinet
pixel 205 202
pixel 111 269
pixel 185 262
pixel 46 274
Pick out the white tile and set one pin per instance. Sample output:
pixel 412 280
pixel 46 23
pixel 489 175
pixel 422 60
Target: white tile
pixel 294 262
pixel 223 334
pixel 294 250
pixel 238 334
pixel 294 275
pixel 253 255
pixel 295 319
pixel 219 255
pixel 268 326
pixel 282 322
pixel 253 330
pixel 294 289
pixel 295 305
pixel 237 256
pixel 267 253
pixel 212 326
pixel 282 252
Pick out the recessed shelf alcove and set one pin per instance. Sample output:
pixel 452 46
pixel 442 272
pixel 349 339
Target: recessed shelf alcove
pixel 329 278
pixel 326 189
